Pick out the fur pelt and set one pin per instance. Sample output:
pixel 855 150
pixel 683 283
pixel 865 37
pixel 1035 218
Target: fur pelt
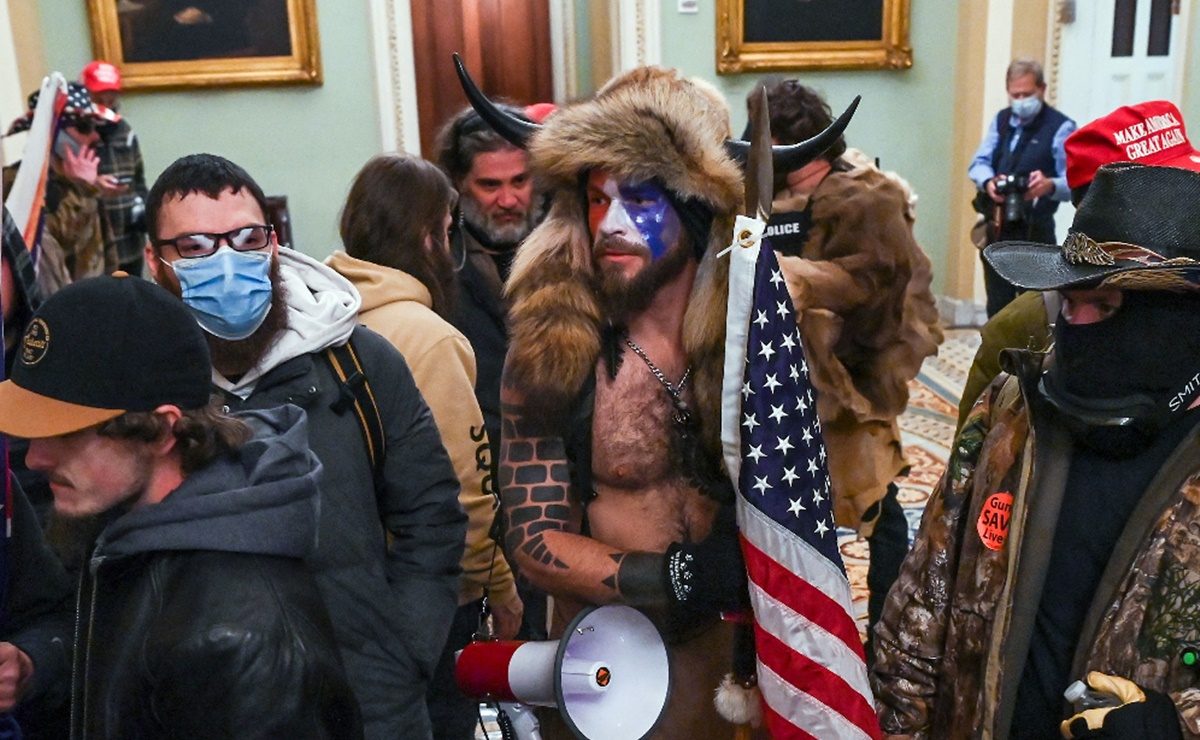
pixel 647 123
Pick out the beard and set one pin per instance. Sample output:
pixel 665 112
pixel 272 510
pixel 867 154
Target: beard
pixel 624 297
pixel 501 234
pixel 235 357
pixel 72 537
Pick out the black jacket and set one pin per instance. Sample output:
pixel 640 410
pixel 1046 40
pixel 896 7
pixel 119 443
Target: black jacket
pixel 198 618
pixel 481 318
pixel 391 606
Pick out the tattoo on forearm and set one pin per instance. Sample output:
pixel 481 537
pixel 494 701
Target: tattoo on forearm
pixel 534 485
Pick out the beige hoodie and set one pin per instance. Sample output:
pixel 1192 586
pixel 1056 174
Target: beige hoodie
pixel 397 306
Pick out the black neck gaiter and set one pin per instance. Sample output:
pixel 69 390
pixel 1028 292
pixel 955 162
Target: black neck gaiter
pixel 1121 380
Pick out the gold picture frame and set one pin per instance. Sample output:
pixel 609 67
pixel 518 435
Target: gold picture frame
pixel 771 43
pixel 176 44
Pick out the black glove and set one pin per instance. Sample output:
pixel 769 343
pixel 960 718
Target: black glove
pixel 709 576
pixel 1144 713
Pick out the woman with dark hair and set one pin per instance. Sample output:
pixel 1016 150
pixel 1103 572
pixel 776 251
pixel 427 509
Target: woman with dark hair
pixel 394 229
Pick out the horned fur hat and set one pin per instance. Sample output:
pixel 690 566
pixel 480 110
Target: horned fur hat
pixel 649 123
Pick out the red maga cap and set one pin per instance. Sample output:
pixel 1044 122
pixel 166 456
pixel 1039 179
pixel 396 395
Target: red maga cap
pixel 100 76
pixel 1147 133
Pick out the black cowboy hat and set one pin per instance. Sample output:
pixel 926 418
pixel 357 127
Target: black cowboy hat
pixel 1137 228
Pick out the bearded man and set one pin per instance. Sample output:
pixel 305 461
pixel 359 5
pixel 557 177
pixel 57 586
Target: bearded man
pixel 497 208
pixel 391 530
pixel 611 481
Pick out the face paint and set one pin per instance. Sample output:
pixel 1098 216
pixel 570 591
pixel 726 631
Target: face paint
pixel 638 212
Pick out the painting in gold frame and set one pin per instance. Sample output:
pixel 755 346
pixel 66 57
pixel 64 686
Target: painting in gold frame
pixel 173 44
pixel 791 35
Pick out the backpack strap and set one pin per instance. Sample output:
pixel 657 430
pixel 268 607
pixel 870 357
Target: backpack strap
pixel 355 391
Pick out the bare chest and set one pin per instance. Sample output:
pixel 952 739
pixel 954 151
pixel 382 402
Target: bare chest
pixel 643 501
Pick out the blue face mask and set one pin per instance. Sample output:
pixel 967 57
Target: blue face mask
pixel 228 292
pixel 1026 108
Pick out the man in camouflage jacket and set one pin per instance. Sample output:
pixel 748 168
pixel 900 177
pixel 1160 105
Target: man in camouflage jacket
pixel 1062 538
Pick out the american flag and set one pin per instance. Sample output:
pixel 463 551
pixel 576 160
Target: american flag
pixel 811 668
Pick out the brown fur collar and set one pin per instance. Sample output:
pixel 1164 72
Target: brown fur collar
pixel 648 123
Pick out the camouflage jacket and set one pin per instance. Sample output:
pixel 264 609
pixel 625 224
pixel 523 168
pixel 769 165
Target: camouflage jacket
pixel 951 644
pixel 75 221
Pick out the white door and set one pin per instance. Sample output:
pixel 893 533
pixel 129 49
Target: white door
pixel 1114 53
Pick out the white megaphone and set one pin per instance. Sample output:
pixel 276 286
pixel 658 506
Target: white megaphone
pixel 608 675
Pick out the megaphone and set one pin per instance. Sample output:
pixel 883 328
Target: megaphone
pixel 608 676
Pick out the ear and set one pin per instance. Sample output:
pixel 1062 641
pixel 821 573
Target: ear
pixel 152 263
pixel 171 415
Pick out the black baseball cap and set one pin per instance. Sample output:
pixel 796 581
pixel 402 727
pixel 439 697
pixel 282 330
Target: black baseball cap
pixel 99 348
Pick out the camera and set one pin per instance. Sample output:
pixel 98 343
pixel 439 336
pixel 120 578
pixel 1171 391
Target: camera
pixel 1013 188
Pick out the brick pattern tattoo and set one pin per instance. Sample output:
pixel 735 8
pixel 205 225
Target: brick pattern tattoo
pixel 534 487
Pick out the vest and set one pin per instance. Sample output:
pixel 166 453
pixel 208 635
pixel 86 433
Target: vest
pixel 1034 151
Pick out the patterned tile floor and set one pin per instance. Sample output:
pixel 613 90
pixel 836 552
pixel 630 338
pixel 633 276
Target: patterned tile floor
pixel 927 430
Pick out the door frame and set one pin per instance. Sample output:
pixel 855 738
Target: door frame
pixel 638 41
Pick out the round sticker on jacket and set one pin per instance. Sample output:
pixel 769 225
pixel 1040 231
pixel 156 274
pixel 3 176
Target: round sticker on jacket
pixel 994 519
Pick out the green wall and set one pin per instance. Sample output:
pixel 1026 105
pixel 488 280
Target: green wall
pixel 905 118
pixel 303 142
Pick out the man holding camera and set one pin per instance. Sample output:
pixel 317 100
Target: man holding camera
pixel 1020 170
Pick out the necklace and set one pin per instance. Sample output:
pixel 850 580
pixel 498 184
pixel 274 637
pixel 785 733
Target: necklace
pixel 681 415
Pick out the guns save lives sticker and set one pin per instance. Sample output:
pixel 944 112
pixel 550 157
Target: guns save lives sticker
pixel 994 519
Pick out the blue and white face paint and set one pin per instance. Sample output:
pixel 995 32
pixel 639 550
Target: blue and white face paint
pixel 637 213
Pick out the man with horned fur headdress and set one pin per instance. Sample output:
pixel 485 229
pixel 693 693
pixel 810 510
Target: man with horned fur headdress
pixel 610 477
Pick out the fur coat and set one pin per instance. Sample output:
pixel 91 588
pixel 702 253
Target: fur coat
pixel 868 320
pixel 647 123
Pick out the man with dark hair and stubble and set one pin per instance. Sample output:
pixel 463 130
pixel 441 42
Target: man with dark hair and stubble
pixel 198 617
pixel 283 328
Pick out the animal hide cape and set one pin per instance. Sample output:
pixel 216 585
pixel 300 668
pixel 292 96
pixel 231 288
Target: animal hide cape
pixel 648 123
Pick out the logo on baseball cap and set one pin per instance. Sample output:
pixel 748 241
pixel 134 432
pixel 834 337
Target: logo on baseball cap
pixel 1147 133
pixel 99 348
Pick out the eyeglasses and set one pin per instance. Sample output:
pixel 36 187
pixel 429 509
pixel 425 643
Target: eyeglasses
pixel 246 239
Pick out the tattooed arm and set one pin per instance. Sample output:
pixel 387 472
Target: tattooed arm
pixel 542 521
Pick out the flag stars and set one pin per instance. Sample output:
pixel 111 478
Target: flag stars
pixel 766 350
pixel 772 382
pixel 782 309
pixel 776 277
pixel 750 421
pixel 801 404
pixel 756 453
pixel 812 465
pixel 817 497
pixel 747 391
pixel 761 485
pixel 783 444
pixel 822 528
pixel 789 343
pixel 789 475
pixel 796 507
pixel 793 372
pixel 761 319
pixel 807 435
pixel 777 413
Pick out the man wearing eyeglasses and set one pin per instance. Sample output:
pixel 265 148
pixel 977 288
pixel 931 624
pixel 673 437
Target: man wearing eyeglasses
pixel 390 539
